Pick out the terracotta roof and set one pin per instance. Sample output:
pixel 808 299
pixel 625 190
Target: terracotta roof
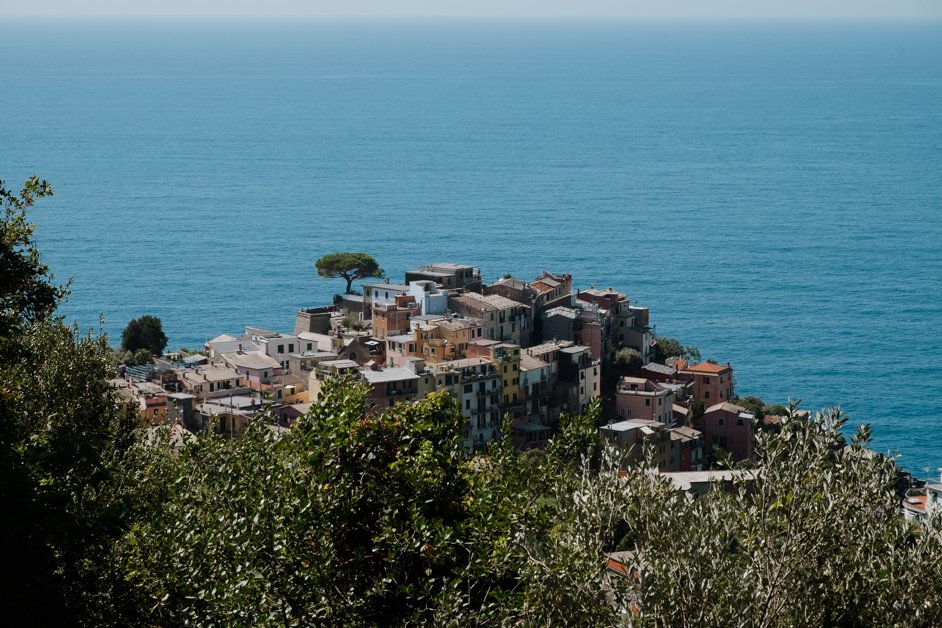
pixel 709 367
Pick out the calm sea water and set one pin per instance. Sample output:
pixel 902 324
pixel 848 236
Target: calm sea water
pixel 772 191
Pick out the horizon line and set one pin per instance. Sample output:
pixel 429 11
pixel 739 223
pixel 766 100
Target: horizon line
pixel 489 17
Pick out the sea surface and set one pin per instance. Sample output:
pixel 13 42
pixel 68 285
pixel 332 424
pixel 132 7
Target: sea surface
pixel 772 191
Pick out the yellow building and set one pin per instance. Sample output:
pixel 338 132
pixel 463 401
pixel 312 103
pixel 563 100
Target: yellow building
pixel 506 359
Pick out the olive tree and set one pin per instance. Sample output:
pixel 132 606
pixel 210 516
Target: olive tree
pixel 811 536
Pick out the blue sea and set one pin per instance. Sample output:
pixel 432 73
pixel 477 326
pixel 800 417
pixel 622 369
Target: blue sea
pixel 772 191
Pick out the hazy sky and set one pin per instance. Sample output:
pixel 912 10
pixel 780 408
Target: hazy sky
pixel 482 8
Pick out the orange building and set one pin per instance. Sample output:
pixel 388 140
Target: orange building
pixel 393 319
pixel 713 383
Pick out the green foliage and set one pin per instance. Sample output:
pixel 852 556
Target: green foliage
pixel 776 409
pixel 350 321
pixel 27 291
pixel 350 266
pixel 61 439
pixel 665 348
pixel 752 404
pixel 133 358
pixel 627 362
pixel 812 537
pixel 350 518
pixel 145 333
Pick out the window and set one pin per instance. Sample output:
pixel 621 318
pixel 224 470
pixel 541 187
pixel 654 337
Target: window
pixel 266 374
pixel 647 402
pixel 467 404
pixel 469 388
pixel 720 422
pixel 706 380
pixel 309 345
pixel 739 421
pixel 706 394
pixel 291 347
pixel 281 348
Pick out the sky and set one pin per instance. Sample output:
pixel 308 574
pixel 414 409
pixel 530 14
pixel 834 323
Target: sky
pixel 717 9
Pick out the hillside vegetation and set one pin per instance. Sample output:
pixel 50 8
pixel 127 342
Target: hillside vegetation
pixel 358 518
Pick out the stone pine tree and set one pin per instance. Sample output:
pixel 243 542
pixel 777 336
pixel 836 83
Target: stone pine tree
pixel 350 266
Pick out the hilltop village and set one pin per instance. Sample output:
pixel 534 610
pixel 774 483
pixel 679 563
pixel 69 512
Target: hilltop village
pixel 532 350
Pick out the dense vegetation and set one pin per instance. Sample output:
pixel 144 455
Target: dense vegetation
pixel 355 518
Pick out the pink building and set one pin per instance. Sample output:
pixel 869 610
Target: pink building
pixel 639 398
pixel 591 336
pixel 400 350
pixel 728 427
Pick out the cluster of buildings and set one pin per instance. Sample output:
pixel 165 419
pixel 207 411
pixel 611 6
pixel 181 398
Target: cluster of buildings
pixel 528 349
